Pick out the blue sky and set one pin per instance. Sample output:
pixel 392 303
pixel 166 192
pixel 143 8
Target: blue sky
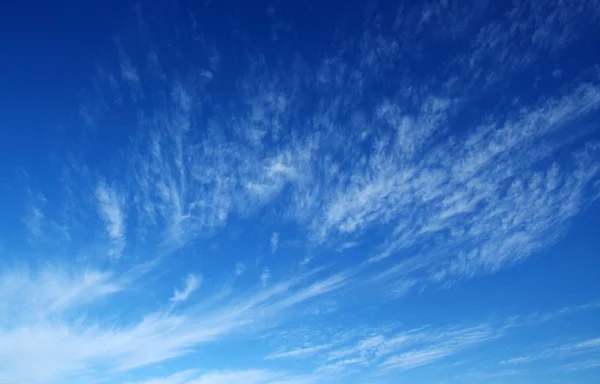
pixel 310 192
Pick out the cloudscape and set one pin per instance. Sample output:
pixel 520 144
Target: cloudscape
pixel 300 192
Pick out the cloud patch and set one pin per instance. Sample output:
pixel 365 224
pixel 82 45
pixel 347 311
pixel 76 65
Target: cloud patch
pixel 192 283
pixel 112 211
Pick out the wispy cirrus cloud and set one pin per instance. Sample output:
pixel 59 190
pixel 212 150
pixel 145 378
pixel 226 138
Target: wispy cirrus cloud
pixel 239 268
pixel 265 276
pixel 111 210
pixel 176 378
pixel 299 352
pixel 454 343
pixel 65 348
pixel 408 349
pixel 31 296
pixel 582 365
pixel 493 187
pixel 192 283
pixel 34 220
pixel 251 376
pixel 128 72
pixel 589 347
pixel 420 165
pixel 394 348
pixel 274 242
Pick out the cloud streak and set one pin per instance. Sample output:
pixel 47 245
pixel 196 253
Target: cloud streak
pixel 587 347
pixel 402 156
pixel 299 352
pixel 42 326
pixel 274 242
pixel 192 283
pixel 111 210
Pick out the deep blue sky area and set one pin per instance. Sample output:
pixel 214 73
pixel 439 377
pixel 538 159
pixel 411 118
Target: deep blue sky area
pixel 315 192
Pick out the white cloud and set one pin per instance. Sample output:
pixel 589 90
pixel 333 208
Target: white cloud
pixel 362 348
pixel 129 73
pixel 34 306
pixel 265 276
pixel 591 343
pixel 249 376
pixel 33 220
pixel 478 375
pixel 176 378
pixel 401 288
pixel 413 181
pixel 239 268
pixel 318 288
pixel 582 365
pixel 347 245
pixel 432 189
pixel 234 377
pixel 31 296
pixel 469 194
pixel 111 210
pixel 561 351
pixel 41 325
pixel 274 242
pixel 192 283
pixel 299 352
pixel 518 360
pixel 408 349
